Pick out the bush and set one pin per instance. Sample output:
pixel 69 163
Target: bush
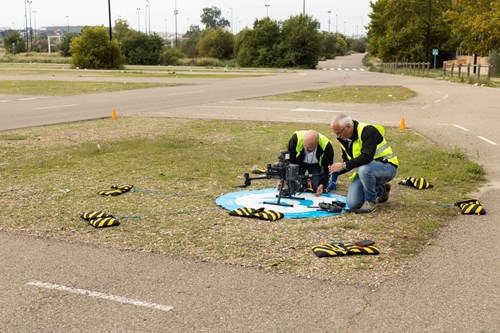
pixel 14 43
pixel 171 57
pixel 216 43
pixel 94 50
pixel 141 49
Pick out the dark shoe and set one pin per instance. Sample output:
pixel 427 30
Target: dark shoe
pixel 367 207
pixel 385 196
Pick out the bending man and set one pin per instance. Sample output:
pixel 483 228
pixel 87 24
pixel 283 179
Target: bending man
pixel 313 152
pixel 364 147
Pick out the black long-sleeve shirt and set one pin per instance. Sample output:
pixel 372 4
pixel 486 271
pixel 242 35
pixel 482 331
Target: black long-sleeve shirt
pixel 370 137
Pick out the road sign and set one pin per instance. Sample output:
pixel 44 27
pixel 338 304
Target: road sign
pixel 435 52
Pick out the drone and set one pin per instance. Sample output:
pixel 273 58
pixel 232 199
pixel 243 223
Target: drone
pixel 287 173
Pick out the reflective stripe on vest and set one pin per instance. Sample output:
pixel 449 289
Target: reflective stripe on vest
pixel 383 149
pixel 323 142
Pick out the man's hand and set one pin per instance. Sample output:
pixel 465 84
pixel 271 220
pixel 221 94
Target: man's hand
pixel 319 190
pixel 335 167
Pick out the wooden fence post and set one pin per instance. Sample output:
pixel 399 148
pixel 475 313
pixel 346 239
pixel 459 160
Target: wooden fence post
pixel 459 70
pixel 468 71
pixel 452 68
pixel 478 73
pixel 490 68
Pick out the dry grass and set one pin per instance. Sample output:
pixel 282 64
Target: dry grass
pixel 50 175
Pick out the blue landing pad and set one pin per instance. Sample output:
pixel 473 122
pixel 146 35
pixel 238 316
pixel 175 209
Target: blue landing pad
pixel 255 199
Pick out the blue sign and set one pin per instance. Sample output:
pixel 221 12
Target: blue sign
pixel 435 51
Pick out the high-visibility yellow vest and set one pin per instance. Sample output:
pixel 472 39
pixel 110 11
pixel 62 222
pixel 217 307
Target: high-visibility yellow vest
pixel 322 142
pixel 383 151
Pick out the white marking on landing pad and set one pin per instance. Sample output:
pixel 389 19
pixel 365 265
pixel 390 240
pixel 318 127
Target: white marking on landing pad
pixel 460 127
pixel 96 294
pixel 489 141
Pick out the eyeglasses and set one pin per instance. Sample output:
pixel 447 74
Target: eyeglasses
pixel 338 134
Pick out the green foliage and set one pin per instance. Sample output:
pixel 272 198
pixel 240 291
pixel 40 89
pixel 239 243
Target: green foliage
pixel 398 30
pixel 301 42
pixel 171 57
pixel 294 43
pixel 259 47
pixel 94 50
pixel 142 49
pixel 475 24
pixel 65 43
pixel 211 18
pixel 121 29
pixel 495 61
pixel 328 45
pixel 189 41
pixel 14 43
pixel 216 43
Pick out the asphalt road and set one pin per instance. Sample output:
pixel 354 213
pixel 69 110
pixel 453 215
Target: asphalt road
pixel 53 286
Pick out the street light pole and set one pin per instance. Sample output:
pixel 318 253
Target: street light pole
pixel 304 7
pixel 30 30
pixel 67 20
pixel 34 17
pixel 336 24
pixel 232 30
pixel 267 10
pixel 138 19
pixel 146 17
pixel 109 17
pixel 329 20
pixel 176 12
pixel 26 26
pixel 149 18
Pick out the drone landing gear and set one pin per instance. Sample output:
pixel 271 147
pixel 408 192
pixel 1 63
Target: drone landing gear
pixel 282 192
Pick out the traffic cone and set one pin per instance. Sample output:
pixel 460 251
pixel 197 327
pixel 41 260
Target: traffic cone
pixel 402 124
pixel 113 114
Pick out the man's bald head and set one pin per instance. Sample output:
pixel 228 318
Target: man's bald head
pixel 311 140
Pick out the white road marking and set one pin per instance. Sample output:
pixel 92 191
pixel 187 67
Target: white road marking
pixel 425 106
pixel 313 110
pixel 267 108
pixel 5 100
pixel 55 107
pixel 26 99
pixel 460 127
pixel 186 93
pixel 109 297
pixel 437 101
pixel 489 141
pixel 446 96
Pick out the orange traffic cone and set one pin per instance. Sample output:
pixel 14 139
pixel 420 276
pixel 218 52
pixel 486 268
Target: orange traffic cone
pixel 402 124
pixel 113 114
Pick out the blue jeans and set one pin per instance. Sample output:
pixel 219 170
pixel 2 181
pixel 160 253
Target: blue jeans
pixel 369 183
pixel 312 169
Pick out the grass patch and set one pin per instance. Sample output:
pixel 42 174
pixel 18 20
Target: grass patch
pixel 179 167
pixel 66 88
pixel 350 94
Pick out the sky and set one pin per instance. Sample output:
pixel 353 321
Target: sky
pixel 346 16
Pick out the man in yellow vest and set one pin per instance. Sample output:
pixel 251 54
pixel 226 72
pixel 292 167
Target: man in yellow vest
pixel 364 148
pixel 313 152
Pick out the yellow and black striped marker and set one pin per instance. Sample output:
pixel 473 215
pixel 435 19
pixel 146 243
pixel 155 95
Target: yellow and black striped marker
pixel 471 207
pixel 100 219
pixel 418 183
pixel 116 190
pixel 261 213
pixel 345 249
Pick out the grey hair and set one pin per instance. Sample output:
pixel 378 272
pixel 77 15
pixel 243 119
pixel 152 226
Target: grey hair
pixel 343 120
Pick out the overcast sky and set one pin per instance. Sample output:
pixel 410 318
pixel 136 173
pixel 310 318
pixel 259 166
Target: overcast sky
pixel 347 16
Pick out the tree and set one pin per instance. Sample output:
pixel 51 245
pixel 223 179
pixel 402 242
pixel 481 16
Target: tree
pixel 402 30
pixel 189 41
pixel 121 29
pixel 328 44
pixel 211 18
pixel 13 43
pixel 216 43
pixel 301 42
pixel 475 24
pixel 65 43
pixel 94 50
pixel 259 47
pixel 142 49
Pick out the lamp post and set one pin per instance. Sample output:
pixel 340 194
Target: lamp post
pixel 34 17
pixel 231 9
pixel 329 20
pixel 176 12
pixel 304 7
pixel 146 17
pixel 149 18
pixel 26 26
pixel 362 28
pixel 138 19
pixel 336 23
pixel 109 18
pixel 267 10
pixel 30 30
pixel 67 20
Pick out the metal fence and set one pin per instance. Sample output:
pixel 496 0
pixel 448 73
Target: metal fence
pixel 408 66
